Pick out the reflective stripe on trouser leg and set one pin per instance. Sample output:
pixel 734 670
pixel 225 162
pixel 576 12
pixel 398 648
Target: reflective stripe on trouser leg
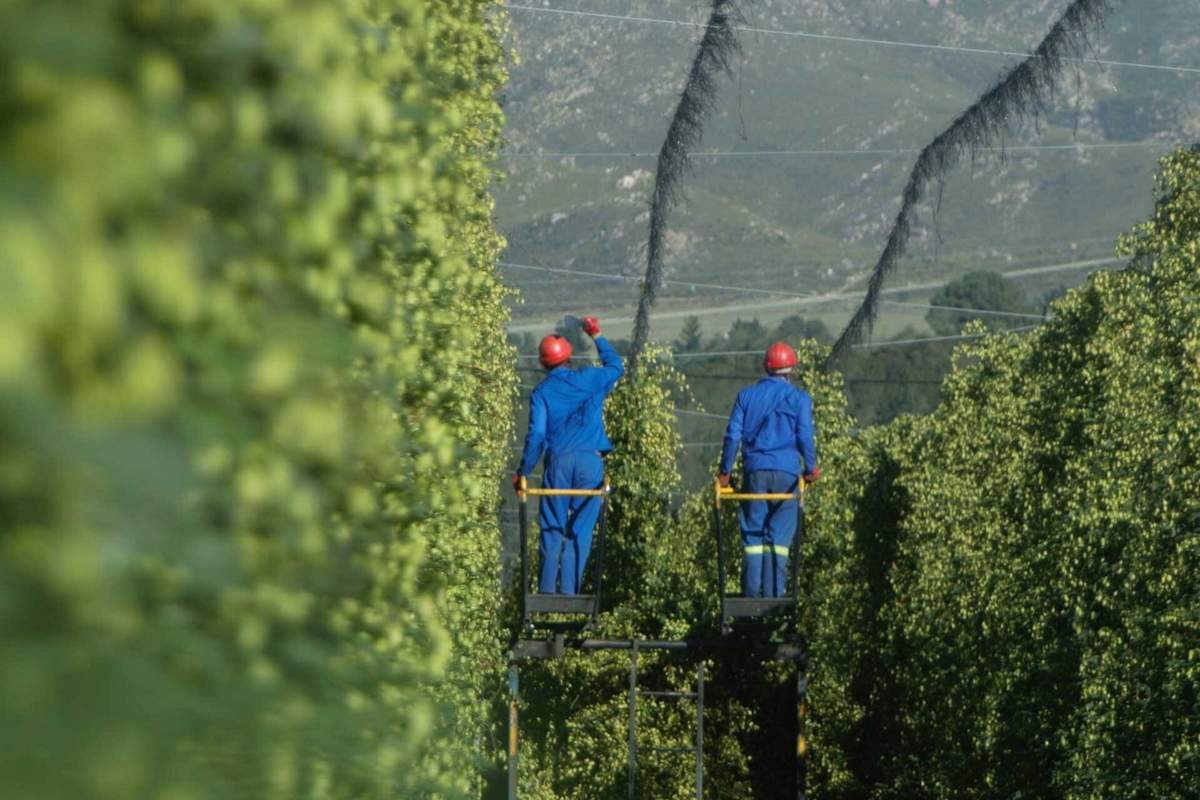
pixel 768 525
pixel 765 549
pixel 770 565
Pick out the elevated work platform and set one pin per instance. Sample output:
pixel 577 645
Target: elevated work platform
pixel 560 603
pixel 557 646
pixel 584 607
pixel 747 625
pixel 737 608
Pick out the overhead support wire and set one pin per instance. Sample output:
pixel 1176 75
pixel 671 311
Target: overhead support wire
pixel 564 271
pixel 919 340
pixel 831 298
pixel 895 151
pixel 718 354
pixel 955 338
pixel 839 38
pixel 983 312
pixel 701 414
pixel 752 377
pixel 849 381
pixel 633 279
pixel 867 346
pixel 1020 94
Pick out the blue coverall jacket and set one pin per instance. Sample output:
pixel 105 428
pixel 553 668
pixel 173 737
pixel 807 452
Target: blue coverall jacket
pixel 566 421
pixel 772 423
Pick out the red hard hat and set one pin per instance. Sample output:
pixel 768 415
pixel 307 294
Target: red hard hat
pixel 555 350
pixel 779 356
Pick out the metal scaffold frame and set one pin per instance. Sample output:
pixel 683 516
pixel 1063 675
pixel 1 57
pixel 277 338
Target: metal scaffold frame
pixel 763 613
pixel 533 603
pixel 739 607
pixel 557 646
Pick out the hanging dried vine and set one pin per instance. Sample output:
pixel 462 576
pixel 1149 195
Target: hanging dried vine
pixel 714 56
pixel 1020 95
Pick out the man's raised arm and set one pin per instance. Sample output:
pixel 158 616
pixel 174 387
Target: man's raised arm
pixel 612 367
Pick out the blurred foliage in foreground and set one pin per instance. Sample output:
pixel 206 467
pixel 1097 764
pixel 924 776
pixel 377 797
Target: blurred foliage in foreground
pixel 254 396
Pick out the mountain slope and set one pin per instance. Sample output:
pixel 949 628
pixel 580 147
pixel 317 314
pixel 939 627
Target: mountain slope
pixel 815 222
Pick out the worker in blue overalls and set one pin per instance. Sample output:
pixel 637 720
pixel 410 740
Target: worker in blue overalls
pixel 772 423
pixel 566 420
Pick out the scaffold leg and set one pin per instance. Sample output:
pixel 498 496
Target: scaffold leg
pixel 633 665
pixel 801 715
pixel 513 688
pixel 700 731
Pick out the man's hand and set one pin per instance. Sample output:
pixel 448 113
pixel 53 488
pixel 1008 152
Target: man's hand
pixel 814 476
pixel 516 483
pixel 591 326
pixel 723 479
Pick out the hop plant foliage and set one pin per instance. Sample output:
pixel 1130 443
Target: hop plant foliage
pixel 1024 575
pixel 661 583
pixel 254 394
pixel 1000 598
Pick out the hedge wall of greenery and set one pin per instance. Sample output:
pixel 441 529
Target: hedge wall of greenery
pixel 254 397
pixel 661 583
pixel 1027 613
pixel 1002 599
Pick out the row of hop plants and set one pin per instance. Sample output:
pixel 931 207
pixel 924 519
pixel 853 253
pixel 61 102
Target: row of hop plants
pixel 661 583
pixel 1001 598
pixel 254 398
pixel 1022 614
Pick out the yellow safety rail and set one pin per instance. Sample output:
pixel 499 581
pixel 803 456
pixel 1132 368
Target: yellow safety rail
pixel 724 493
pixel 525 490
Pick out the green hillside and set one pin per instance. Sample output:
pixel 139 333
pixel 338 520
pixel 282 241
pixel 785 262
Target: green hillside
pixel 816 222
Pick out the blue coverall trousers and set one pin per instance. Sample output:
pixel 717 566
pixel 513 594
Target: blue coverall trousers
pixel 567 522
pixel 768 528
